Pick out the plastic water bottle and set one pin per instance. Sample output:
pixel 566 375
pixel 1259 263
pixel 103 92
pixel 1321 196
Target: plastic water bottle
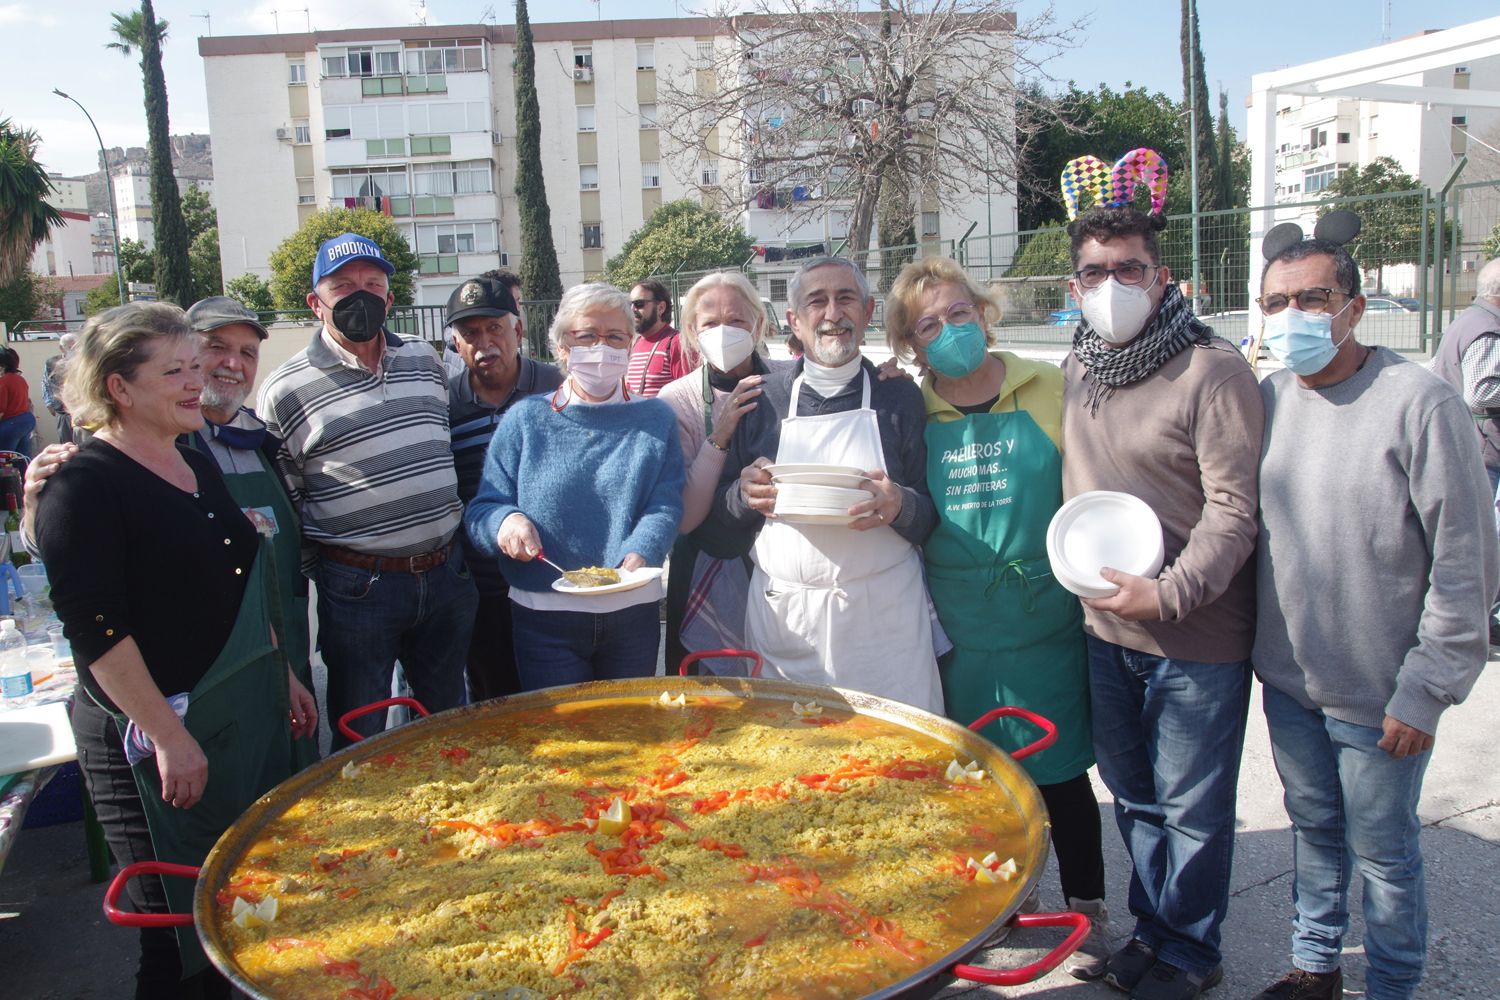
pixel 15 672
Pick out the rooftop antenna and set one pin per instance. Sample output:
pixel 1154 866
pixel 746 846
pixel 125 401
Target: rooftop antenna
pixel 275 23
pixel 1385 22
pixel 208 24
pixel 487 16
pixel 419 12
pixel 307 18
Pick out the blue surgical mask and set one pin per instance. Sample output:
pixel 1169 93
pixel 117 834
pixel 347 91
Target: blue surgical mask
pixel 957 350
pixel 1302 341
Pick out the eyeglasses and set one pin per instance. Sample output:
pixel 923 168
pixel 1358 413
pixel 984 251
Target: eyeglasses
pixel 958 314
pixel 1312 300
pixel 1129 273
pixel 643 303
pixel 590 337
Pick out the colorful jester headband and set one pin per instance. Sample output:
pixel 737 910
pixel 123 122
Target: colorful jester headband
pixel 1116 187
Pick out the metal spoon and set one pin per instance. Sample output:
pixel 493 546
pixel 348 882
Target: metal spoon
pixel 576 577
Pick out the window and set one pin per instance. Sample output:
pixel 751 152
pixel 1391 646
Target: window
pixel 302 133
pixel 370 182
pixel 1460 121
pixel 296 73
pixel 648 116
pixel 645 55
pixel 650 173
pixel 593 236
pixel 929 223
pixel 378 148
pixel 708 172
pixel 432 145
pixel 334 63
pixel 588 176
pixel 388 63
pixel 778 289
pixel 456 237
pixel 585 118
pixel 435 58
pixel 361 62
pixel 443 117
pixel 705 50
pixel 583 58
pixel 465 177
pixel 1343 138
pixel 1317 138
pixel 1317 179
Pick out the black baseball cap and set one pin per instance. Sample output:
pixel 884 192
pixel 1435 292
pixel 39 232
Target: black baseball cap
pixel 480 297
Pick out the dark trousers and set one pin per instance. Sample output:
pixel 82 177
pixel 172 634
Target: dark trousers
pixel 117 801
pixel 492 652
pixel 1076 836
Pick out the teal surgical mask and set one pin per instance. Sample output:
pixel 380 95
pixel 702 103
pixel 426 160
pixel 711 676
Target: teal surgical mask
pixel 957 350
pixel 1302 341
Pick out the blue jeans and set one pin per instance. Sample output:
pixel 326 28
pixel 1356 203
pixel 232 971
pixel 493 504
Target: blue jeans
pixel 571 647
pixel 366 620
pixel 15 433
pixel 1168 736
pixel 1352 803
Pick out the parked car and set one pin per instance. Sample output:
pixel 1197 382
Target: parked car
pixel 1065 317
pixel 1410 304
pixel 1381 303
pixel 777 323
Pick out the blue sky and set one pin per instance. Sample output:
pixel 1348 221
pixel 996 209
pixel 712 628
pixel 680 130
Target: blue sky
pixel 60 44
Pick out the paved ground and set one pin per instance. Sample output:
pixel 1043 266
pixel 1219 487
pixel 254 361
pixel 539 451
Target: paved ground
pixel 57 945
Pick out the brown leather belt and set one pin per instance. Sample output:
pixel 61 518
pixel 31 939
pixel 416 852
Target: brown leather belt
pixel 419 563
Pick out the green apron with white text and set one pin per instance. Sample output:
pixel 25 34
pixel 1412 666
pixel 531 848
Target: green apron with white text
pixel 262 493
pixel 238 713
pixel 1017 634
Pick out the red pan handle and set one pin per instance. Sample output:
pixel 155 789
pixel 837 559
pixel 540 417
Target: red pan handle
pixel 710 654
pixel 1049 730
pixel 376 706
pixel 1043 965
pixel 121 918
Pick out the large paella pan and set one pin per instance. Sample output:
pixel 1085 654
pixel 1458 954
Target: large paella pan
pixel 676 837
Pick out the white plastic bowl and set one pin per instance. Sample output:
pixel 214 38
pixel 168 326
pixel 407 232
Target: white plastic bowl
pixel 1099 529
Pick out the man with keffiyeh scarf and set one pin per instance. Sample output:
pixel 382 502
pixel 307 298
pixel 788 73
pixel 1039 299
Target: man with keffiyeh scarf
pixel 1157 406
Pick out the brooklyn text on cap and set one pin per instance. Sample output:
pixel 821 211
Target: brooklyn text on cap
pixel 220 310
pixel 479 297
pixel 335 253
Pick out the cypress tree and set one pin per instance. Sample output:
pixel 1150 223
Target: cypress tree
pixel 1193 74
pixel 174 276
pixel 540 278
pixel 1225 157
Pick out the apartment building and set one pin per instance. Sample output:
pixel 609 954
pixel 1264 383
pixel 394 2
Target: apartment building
pixel 418 122
pixel 132 184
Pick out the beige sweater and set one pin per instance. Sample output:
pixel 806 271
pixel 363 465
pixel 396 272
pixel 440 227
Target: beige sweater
pixel 1186 440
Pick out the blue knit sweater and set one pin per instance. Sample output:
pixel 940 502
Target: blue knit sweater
pixel 597 481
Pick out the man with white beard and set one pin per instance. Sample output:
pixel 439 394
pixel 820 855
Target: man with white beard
pixel 486 324
pixel 834 604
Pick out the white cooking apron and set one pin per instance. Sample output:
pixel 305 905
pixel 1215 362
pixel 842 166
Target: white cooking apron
pixel 829 605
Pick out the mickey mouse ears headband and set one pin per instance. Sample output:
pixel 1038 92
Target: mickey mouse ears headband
pixel 1115 187
pixel 1336 227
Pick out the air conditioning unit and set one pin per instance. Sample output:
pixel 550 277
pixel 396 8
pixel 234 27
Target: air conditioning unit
pixel 497 138
pixel 583 74
pixel 284 134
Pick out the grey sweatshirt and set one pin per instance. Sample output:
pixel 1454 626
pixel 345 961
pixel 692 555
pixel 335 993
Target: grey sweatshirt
pixel 1377 553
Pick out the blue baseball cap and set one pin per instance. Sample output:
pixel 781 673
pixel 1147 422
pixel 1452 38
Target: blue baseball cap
pixel 335 253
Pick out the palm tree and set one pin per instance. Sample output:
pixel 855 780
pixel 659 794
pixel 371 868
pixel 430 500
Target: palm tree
pixel 128 30
pixel 25 216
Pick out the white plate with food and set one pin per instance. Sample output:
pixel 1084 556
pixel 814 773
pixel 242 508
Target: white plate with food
pixel 629 579
pixel 812 474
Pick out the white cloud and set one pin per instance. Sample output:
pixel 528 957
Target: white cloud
pixel 323 15
pixel 17 14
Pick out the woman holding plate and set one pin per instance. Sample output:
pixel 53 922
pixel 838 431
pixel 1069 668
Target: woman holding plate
pixel 994 467
pixel 590 482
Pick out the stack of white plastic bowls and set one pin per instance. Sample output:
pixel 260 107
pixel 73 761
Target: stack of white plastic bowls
pixel 817 494
pixel 1098 529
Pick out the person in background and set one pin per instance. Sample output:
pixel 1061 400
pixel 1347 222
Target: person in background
pixel 598 484
pixel 1017 634
pixel 1377 562
pixel 52 374
pixel 186 711
pixel 1468 357
pixel 1156 406
pixel 453 360
pixel 17 421
pixel 723 324
pixel 366 455
pixel 656 357
pixel 486 327
pixel 833 604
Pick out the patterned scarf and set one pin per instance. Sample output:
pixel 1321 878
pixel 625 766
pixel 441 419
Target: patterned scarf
pixel 1174 328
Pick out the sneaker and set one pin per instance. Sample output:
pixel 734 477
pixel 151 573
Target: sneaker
pixel 1126 967
pixel 1299 984
pixel 1166 981
pixel 1030 904
pixel 1087 963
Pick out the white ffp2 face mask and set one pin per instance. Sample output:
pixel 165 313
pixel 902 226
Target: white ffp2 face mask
pixel 725 347
pixel 598 369
pixel 1116 312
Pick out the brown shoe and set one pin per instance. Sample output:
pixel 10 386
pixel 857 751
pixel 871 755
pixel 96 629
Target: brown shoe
pixel 1299 984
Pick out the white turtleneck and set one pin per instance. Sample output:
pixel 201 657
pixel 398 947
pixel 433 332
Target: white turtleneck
pixel 825 381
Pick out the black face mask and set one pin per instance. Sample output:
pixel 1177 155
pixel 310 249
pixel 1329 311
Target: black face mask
pixel 359 316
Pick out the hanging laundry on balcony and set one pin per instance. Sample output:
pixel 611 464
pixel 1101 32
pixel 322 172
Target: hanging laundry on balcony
pixel 801 193
pixel 765 198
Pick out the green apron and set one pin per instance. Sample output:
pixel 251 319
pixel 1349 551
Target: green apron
pixel 238 713
pixel 1017 634
pixel 286 587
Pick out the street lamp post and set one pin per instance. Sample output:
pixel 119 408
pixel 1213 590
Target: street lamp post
pixel 109 187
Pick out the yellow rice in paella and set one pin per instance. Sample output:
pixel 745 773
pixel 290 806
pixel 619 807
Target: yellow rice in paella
pixel 767 853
